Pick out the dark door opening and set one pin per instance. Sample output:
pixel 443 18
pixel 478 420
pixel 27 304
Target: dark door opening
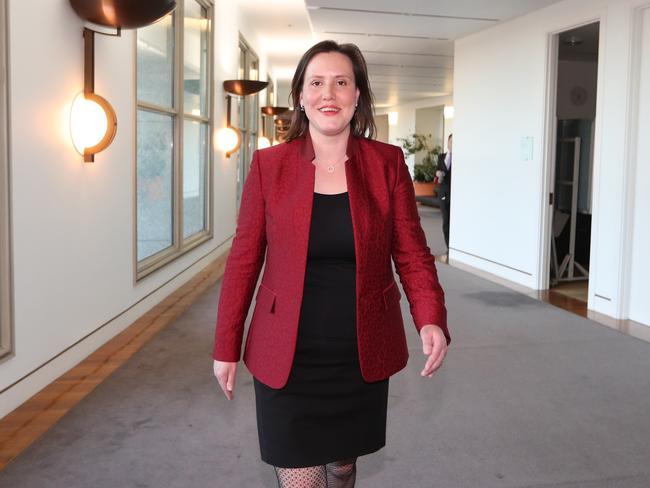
pixel 577 68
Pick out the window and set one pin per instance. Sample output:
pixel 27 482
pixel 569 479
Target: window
pixel 267 121
pixel 248 114
pixel 174 134
pixel 6 344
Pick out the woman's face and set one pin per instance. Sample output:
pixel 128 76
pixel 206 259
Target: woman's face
pixel 329 93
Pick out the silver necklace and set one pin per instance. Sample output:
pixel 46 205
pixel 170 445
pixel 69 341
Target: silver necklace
pixel 331 167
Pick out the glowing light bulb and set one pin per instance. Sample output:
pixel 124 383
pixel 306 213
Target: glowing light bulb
pixel 263 142
pixel 92 124
pixel 228 140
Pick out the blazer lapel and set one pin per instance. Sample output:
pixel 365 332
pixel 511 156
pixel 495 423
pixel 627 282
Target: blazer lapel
pixel 358 196
pixel 304 176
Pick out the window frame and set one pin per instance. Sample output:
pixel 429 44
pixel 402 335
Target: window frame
pixel 246 128
pixel 267 122
pixel 180 245
pixel 7 346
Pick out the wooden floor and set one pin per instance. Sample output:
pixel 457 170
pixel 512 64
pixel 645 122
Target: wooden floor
pixel 571 297
pixel 33 418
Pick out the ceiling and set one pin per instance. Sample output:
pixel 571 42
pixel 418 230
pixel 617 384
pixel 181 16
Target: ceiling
pixel 408 45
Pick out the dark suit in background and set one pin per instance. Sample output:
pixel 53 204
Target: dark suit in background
pixel 444 194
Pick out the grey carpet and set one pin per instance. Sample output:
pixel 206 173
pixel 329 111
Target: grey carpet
pixel 529 396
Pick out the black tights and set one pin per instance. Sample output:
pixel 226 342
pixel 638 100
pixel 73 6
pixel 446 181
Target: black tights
pixel 339 474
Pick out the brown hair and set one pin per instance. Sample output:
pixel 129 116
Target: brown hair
pixel 363 119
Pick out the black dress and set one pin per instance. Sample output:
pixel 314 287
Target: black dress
pixel 326 412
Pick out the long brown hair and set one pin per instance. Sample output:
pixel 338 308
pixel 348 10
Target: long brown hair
pixel 363 121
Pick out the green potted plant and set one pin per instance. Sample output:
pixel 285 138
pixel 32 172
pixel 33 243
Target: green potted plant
pixel 424 171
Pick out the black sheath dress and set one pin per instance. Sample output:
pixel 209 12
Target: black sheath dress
pixel 326 412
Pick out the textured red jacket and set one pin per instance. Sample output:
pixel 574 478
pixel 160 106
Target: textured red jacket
pixel 275 216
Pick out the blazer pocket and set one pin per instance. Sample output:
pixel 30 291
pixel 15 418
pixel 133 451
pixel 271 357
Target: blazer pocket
pixel 391 295
pixel 265 298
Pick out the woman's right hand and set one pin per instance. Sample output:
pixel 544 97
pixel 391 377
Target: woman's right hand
pixel 225 373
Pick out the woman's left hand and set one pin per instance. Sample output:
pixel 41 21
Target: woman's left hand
pixel 434 345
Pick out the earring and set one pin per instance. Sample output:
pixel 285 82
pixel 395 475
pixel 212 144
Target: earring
pixel 302 108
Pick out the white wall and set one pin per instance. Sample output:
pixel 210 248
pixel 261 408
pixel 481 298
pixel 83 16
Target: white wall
pixel 73 223
pixel 640 262
pixel 500 200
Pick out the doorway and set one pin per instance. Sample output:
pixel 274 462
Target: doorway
pixel 572 171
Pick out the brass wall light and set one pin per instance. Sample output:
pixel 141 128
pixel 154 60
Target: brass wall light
pixel 262 141
pixel 269 111
pixel 93 123
pixel 283 123
pixel 229 138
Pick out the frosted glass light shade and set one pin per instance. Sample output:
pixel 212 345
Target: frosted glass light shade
pixel 228 140
pixel 263 142
pixel 93 124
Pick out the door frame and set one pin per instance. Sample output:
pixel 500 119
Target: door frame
pixel 550 142
pixel 631 159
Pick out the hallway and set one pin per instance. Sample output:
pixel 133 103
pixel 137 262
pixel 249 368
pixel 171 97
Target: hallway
pixel 529 396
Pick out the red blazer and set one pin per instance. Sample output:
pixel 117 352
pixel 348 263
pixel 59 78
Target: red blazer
pixel 275 216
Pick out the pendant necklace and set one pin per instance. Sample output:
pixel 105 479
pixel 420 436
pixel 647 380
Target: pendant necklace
pixel 331 167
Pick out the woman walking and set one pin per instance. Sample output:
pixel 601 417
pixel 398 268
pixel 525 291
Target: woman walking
pixel 329 208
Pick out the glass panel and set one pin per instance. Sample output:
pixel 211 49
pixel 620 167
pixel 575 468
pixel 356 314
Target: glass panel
pixel 252 102
pixel 241 168
pixel 252 145
pixel 155 61
pixel 270 92
pixel 253 72
pixel 242 62
pixel 154 182
pixel 195 42
pixel 237 118
pixel 239 109
pixel 195 149
pixel 254 114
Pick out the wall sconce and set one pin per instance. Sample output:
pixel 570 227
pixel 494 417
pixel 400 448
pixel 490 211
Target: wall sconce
pixel 283 123
pixel 93 123
pixel 392 118
pixel 271 111
pixel 229 138
pixel 263 141
pixel 448 112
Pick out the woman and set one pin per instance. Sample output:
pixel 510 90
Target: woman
pixel 330 208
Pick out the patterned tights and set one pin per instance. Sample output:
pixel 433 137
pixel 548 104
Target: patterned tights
pixel 339 474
